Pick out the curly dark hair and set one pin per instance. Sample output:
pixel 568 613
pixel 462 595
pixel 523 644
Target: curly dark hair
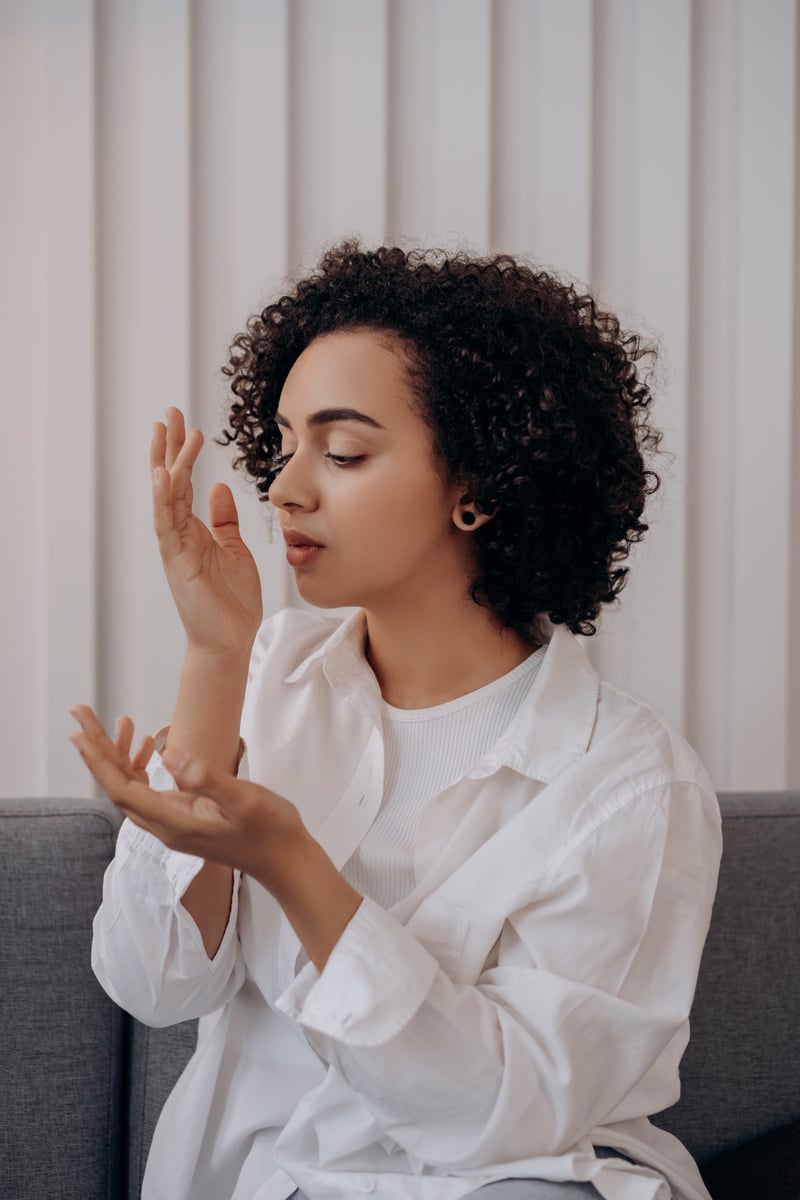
pixel 532 394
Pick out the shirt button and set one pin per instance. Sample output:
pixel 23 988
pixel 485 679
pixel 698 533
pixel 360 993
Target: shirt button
pixel 367 1184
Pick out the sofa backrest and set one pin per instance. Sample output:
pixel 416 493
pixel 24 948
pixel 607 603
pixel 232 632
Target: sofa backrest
pixel 741 1072
pixel 157 1057
pixel 61 1038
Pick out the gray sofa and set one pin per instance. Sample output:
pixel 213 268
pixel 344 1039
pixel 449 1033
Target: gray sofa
pixel 81 1083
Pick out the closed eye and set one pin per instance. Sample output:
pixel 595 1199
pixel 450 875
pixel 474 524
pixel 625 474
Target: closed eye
pixel 341 460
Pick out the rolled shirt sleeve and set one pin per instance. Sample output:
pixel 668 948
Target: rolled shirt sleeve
pixel 147 951
pixel 597 977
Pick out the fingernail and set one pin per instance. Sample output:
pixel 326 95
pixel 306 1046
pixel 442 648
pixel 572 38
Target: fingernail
pixel 175 760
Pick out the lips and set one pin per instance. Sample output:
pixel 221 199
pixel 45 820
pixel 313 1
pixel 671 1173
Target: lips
pixel 298 539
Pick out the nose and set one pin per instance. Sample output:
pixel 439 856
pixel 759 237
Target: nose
pixel 289 490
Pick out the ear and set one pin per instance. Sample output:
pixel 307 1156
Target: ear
pixel 466 516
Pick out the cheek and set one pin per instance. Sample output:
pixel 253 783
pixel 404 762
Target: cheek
pixel 377 505
pixel 394 513
pixel 398 528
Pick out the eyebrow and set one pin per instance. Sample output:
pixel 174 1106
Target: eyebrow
pixel 326 416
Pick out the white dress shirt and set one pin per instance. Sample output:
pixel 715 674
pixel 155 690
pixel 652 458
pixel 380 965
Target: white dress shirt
pixel 425 751
pixel 526 1001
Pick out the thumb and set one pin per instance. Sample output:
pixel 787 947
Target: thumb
pixel 222 515
pixel 193 775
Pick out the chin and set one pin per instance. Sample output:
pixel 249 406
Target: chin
pixel 325 597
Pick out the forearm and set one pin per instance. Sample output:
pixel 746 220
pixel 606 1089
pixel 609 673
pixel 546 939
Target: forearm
pixel 316 898
pixel 206 724
pixel 208 709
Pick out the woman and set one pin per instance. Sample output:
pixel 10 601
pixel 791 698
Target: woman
pixel 437 894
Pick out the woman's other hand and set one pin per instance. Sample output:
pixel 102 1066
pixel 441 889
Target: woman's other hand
pixel 118 750
pixel 210 571
pixel 231 823
pixel 214 815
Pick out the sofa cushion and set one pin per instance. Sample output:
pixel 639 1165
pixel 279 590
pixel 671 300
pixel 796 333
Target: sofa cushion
pixel 60 1083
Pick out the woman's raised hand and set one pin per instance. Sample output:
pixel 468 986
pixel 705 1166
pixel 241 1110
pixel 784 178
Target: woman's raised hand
pixel 211 573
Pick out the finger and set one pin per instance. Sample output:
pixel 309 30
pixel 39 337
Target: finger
pixel 163 514
pixel 102 763
pixel 182 447
pixel 172 489
pixel 182 491
pixel 89 722
pixel 185 460
pixel 143 755
pixel 160 481
pixel 193 775
pixel 135 798
pixel 123 729
pixel 222 515
pixel 169 542
pixel 176 435
pixel 158 445
pixel 95 732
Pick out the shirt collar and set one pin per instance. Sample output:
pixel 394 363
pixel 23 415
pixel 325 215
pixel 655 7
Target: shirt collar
pixel 553 727
pixel 341 653
pixel 550 731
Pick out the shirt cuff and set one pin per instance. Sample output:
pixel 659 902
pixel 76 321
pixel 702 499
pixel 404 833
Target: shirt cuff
pixel 140 851
pixel 363 998
pixel 179 869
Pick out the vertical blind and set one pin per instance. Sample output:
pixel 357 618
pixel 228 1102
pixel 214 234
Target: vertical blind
pixel 170 165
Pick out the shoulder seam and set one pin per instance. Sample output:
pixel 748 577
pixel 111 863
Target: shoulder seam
pixel 649 783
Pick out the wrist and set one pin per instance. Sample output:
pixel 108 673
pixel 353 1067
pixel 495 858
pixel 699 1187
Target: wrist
pixel 219 658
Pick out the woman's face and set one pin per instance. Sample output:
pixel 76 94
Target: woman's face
pixel 366 489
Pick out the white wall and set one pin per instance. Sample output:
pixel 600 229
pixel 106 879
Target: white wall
pixel 166 164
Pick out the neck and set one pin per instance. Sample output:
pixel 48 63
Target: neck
pixel 457 648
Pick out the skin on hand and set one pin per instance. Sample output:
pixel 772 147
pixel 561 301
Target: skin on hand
pixel 117 751
pixel 214 815
pixel 211 573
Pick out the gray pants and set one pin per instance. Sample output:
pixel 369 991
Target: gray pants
pixel 533 1189
pixel 523 1189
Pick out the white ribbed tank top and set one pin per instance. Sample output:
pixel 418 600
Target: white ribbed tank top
pixel 426 750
